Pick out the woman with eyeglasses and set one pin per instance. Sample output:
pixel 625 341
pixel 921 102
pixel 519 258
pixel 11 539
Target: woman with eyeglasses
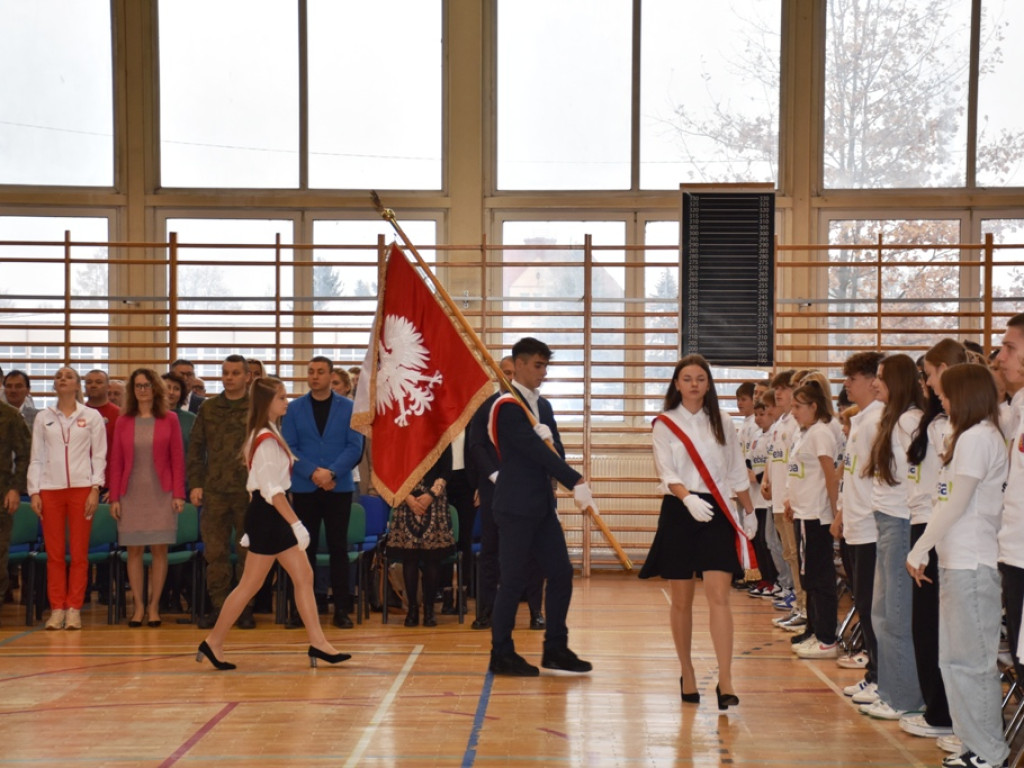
pixel 147 487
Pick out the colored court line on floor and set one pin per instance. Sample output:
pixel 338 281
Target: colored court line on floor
pixel 478 722
pixel 207 727
pixel 382 709
pixel 18 636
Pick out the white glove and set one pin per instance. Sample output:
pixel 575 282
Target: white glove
pixel 699 509
pixel 750 526
pixel 583 496
pixel 244 541
pixel 301 534
pixel 543 432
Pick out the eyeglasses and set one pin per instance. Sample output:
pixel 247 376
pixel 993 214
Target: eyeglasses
pixel 144 385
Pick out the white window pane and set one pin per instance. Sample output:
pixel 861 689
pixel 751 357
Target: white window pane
pixel 1001 116
pixel 229 84
pixel 375 94
pixel 56 93
pixel 1008 269
pixel 896 79
pixel 661 331
pixel 709 92
pixel 564 94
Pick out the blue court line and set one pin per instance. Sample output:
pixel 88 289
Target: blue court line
pixel 478 722
pixel 12 638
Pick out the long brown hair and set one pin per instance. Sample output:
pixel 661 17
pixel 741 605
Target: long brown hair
pixel 900 376
pixel 803 377
pixel 261 395
pixel 131 402
pixel 673 398
pixel 971 392
pixel 947 351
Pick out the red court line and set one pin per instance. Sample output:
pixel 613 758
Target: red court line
pixel 207 727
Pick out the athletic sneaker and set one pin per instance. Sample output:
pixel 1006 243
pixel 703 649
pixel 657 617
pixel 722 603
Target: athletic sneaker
pixel 950 743
pixel 807 641
pixel 774 592
pixel 853 661
pixel 780 620
pixel 881 711
pixel 73 619
pixel 785 601
pixel 915 724
pixel 967 760
pixel 795 624
pixel 867 696
pixel 853 690
pixel 760 589
pixel 817 651
pixel 56 620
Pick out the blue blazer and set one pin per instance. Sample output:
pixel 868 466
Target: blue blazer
pixel 338 449
pixel 527 465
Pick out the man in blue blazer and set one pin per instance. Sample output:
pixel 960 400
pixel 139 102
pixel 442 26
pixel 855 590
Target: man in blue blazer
pixel 318 429
pixel 525 512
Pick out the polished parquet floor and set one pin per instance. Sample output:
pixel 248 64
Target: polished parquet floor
pixel 114 696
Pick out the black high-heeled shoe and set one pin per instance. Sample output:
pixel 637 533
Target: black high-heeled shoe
pixel 726 700
pixel 689 698
pixel 331 658
pixel 205 650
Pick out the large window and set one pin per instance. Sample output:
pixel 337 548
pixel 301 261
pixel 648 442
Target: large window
pixel 1000 116
pixel 56 93
pixel 709 94
pixel 564 94
pixel 896 83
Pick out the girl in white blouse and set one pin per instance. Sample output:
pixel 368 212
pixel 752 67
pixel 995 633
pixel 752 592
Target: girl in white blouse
pixel 963 528
pixel 273 532
pixel 695 536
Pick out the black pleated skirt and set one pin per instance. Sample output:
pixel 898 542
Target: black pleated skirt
pixel 683 548
pixel 269 533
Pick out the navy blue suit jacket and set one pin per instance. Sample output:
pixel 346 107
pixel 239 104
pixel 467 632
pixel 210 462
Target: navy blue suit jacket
pixel 528 464
pixel 338 448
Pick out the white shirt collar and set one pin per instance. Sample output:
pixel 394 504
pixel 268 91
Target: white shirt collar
pixel 531 396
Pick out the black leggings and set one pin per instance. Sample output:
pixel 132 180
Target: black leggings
pixel 413 561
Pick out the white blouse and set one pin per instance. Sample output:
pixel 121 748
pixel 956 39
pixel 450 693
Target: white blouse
pixel 271 470
pixel 724 462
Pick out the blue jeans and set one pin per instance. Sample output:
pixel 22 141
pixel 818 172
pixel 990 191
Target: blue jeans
pixel 969 617
pixel 771 537
pixel 892 616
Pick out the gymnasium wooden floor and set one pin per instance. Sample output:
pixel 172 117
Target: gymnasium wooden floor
pixel 114 696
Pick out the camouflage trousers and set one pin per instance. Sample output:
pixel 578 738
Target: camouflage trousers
pixel 222 523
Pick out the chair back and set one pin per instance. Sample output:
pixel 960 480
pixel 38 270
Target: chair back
pixel 188 526
pixel 104 528
pixel 356 527
pixel 377 512
pixel 25 526
pixel 454 515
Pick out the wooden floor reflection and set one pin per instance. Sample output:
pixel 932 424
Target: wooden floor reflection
pixel 114 696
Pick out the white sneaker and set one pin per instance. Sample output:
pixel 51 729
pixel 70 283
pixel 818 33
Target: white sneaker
pixel 882 711
pixel 915 724
pixel 807 643
pixel 778 621
pixel 73 619
pixel 56 620
pixel 950 743
pixel 818 651
pixel 856 661
pixel 867 696
pixel 853 690
pixel 796 624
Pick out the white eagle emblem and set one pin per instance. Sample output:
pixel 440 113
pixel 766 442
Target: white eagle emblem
pixel 401 361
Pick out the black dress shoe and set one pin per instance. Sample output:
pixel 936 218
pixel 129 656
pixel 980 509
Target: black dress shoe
pixel 428 616
pixel 537 621
pixel 342 620
pixel 246 620
pixel 512 665
pixel 689 698
pixel 484 622
pixel 448 607
pixel 412 618
pixel 726 700
pixel 206 621
pixel 564 660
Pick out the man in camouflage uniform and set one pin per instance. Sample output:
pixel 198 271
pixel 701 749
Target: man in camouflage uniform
pixel 217 476
pixel 14 457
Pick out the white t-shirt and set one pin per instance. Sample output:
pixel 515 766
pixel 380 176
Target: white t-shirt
pixel 858 521
pixel 1011 534
pixel 972 540
pixel 805 483
pixel 924 477
pixel 724 462
pixel 780 437
pixel 894 500
pixel 757 455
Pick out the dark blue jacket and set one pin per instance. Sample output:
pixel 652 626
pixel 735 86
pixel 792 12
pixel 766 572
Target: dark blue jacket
pixel 338 449
pixel 528 464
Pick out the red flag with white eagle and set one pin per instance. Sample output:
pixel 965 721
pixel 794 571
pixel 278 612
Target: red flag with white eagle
pixel 420 383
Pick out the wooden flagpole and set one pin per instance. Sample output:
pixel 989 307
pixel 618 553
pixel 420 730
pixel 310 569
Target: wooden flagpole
pixel 389 215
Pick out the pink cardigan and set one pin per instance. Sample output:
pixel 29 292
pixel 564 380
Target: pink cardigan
pixel 168 455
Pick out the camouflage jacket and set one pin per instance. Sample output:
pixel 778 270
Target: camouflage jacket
pixel 215 446
pixel 16 442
